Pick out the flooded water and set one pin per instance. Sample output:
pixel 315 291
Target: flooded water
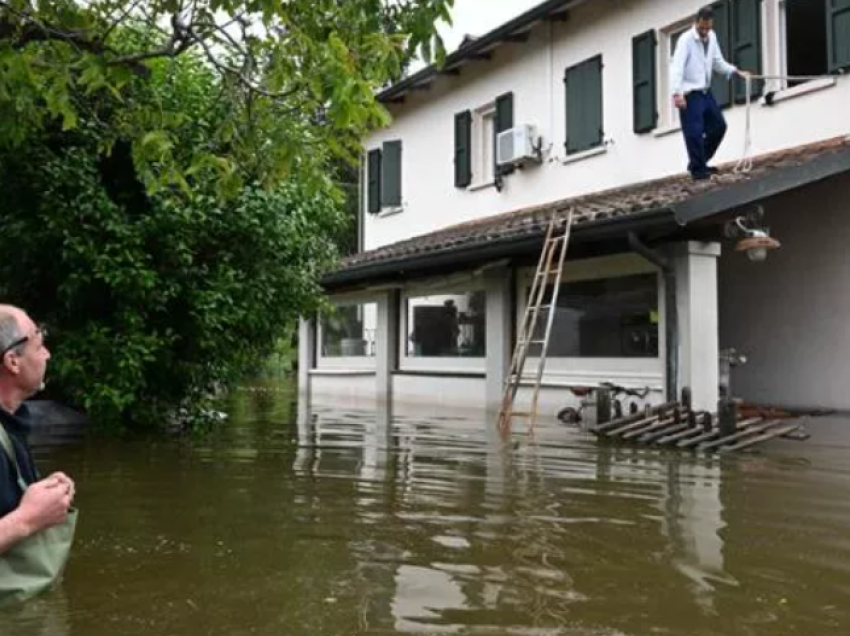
pixel 342 525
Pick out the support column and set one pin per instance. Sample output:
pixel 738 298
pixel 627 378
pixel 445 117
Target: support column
pixel 497 283
pixel 695 265
pixel 386 352
pixel 306 354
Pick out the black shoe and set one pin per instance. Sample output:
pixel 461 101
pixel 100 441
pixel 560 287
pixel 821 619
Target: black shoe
pixel 701 176
pixel 712 170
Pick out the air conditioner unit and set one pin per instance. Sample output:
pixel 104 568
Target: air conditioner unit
pixel 517 145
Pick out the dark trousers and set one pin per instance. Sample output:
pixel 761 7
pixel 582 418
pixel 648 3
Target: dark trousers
pixel 704 128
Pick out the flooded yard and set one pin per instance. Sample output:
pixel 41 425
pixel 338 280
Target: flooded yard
pixel 345 522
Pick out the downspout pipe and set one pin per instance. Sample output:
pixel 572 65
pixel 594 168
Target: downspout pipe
pixel 671 318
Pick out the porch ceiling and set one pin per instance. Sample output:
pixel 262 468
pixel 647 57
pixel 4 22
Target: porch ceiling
pixel 660 205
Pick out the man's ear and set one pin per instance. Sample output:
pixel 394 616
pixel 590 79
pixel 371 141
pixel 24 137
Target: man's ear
pixel 10 363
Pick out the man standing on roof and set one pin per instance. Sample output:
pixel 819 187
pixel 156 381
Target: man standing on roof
pixel 697 57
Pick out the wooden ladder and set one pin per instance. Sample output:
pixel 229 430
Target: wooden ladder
pixel 551 264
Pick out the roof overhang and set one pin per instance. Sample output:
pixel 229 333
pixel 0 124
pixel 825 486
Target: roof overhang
pixel 514 31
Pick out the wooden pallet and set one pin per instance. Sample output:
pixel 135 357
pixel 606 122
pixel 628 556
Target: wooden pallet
pixel 673 425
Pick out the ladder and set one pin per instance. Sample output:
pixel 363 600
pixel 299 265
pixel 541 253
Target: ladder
pixel 551 264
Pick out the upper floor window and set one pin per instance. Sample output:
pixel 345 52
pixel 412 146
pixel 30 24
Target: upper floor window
pixel 814 37
pixel 475 140
pixel 584 105
pixel 384 177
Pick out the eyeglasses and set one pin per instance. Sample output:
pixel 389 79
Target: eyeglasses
pixel 17 343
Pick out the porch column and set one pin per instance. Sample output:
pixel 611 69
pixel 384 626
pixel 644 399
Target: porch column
pixel 696 300
pixel 497 284
pixel 385 345
pixel 306 354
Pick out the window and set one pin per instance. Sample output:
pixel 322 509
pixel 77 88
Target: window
pixel 669 39
pixel 484 129
pixel 604 318
pixel 814 37
pixel 349 332
pixel 475 141
pixel 449 325
pixel 384 177
pixel 583 84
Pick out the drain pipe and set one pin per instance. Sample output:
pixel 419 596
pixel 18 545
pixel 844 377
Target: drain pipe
pixel 671 318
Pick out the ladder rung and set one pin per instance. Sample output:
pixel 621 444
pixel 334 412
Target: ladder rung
pixel 551 272
pixel 535 341
pixel 521 413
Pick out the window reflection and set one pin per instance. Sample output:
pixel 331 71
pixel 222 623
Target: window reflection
pixel 349 331
pixel 446 325
pixel 603 318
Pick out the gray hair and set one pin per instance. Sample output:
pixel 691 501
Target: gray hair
pixel 10 330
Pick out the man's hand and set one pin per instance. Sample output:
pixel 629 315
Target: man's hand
pixel 679 101
pixel 744 74
pixel 45 503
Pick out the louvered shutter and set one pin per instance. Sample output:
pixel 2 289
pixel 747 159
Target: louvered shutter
pixel 644 82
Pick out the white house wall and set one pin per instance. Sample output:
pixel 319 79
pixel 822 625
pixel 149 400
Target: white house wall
pixel 789 315
pixel 534 71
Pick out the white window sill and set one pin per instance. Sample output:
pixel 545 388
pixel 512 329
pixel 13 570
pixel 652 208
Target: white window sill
pixel 584 154
pixel 344 372
pixel 475 187
pixel 801 89
pixel 667 130
pixel 390 211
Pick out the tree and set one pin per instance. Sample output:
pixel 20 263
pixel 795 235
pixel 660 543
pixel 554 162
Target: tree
pixel 292 76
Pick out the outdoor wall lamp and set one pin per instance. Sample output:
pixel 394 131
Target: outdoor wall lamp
pixel 756 240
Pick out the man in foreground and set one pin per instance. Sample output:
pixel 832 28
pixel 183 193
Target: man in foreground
pixel 29 507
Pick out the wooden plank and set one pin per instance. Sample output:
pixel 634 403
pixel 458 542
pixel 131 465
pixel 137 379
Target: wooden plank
pixel 693 441
pixel 749 430
pixel 652 437
pixel 678 436
pixel 628 419
pixel 628 427
pixel 758 439
pixel 648 429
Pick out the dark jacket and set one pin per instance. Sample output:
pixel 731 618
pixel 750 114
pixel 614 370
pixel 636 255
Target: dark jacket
pixel 18 427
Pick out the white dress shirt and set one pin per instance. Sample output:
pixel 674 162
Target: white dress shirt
pixel 693 63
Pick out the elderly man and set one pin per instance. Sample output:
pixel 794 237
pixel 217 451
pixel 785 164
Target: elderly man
pixel 29 507
pixel 696 58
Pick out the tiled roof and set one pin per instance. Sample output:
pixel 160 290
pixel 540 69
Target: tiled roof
pixel 661 194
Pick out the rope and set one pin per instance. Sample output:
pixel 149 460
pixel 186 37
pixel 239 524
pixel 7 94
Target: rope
pixel 745 163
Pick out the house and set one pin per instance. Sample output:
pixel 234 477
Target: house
pixel 654 287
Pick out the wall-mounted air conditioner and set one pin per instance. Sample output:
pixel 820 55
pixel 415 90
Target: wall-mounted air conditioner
pixel 518 145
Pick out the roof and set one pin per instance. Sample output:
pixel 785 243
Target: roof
pixel 669 203
pixel 480 48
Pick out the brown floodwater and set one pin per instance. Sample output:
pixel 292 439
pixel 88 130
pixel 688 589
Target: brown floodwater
pixel 335 523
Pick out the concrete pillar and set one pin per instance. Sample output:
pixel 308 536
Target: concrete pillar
pixel 696 300
pixel 386 345
pixel 306 354
pixel 497 283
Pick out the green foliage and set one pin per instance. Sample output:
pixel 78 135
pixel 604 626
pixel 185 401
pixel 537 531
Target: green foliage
pixel 294 82
pixel 155 300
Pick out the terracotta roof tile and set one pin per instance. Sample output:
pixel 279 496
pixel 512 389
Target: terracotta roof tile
pixel 619 202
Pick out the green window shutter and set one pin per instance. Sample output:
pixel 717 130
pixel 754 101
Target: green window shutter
pixel 746 44
pixel 373 193
pixel 391 174
pixel 463 149
pixel 644 82
pixel 504 112
pixel 720 86
pixel 584 105
pixel 838 34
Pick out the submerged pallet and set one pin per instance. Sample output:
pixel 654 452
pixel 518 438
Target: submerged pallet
pixel 673 425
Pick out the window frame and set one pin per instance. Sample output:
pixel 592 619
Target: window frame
pixel 379 148
pixel 341 363
pixel 668 116
pixel 578 371
pixel 456 364
pixel 482 137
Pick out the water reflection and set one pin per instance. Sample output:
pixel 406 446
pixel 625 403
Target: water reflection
pixel 308 519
